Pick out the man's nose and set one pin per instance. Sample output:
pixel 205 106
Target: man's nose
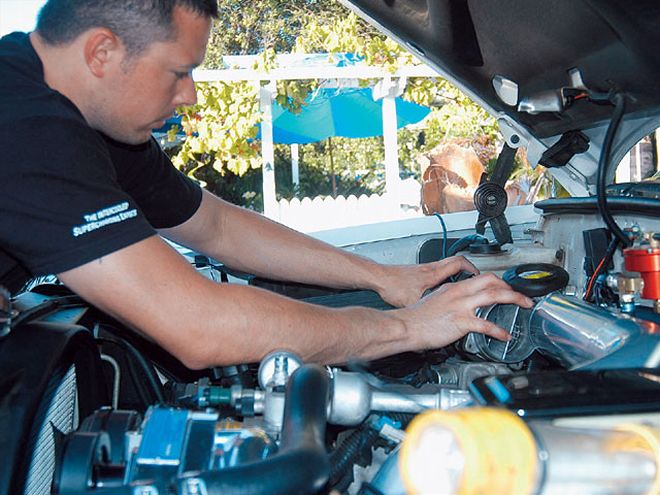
pixel 186 93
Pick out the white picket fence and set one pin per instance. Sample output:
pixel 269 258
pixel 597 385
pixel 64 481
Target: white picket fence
pixel 322 213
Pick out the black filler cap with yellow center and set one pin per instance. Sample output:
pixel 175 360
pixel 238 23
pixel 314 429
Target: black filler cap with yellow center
pixel 536 279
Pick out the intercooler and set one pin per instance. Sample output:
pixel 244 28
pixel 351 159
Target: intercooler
pixel 50 376
pixel 58 415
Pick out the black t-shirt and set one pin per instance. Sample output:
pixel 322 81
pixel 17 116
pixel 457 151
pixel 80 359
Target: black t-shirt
pixel 68 194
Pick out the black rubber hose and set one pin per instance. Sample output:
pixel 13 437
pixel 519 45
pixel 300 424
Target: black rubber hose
pixel 344 456
pixel 302 465
pixel 603 166
pixel 344 484
pixel 464 242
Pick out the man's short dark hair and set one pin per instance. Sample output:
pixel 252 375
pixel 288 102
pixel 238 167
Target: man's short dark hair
pixel 138 23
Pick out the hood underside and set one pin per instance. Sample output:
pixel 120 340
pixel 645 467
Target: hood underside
pixel 535 44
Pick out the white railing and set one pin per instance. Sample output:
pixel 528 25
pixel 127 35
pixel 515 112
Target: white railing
pixel 322 213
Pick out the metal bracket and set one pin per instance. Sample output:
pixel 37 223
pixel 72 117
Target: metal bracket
pixel 513 137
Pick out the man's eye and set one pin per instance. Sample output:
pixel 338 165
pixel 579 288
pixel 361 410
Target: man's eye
pixel 181 75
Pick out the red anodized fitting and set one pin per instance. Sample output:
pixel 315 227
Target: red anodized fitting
pixel 646 261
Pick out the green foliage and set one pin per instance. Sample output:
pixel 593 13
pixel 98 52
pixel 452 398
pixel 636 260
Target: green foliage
pixel 220 129
pixel 291 95
pixel 245 27
pixel 315 177
pixel 349 34
pixel 357 166
pixel 220 148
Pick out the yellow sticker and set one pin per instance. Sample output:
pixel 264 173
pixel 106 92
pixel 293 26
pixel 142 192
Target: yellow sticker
pixel 534 274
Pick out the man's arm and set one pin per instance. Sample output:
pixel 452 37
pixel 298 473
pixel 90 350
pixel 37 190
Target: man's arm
pixel 247 241
pixel 152 289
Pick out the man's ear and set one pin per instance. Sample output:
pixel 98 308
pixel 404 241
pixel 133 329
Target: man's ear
pixel 102 50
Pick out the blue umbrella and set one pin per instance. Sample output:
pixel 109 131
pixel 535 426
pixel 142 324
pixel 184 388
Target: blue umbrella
pixel 350 113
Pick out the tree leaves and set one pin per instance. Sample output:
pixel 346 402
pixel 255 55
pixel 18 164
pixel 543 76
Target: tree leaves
pixel 221 128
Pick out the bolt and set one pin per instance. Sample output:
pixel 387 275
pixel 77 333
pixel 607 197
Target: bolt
pixel 281 371
pixel 195 486
pixel 627 307
pixel 627 303
pixel 145 490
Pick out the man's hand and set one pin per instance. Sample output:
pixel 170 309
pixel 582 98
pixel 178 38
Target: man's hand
pixel 403 285
pixel 448 313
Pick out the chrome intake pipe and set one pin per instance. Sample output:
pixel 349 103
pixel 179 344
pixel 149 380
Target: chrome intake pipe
pixel 353 398
pixel 579 335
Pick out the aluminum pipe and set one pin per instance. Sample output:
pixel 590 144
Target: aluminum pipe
pixel 582 335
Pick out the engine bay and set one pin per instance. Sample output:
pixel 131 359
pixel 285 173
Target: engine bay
pixel 583 361
pixel 569 406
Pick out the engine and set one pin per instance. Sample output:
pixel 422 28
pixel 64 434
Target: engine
pixel 575 392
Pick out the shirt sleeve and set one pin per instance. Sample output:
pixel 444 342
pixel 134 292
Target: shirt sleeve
pixel 166 197
pixel 61 203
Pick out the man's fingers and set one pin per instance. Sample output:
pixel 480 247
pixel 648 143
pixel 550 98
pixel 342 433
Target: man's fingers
pixel 483 282
pixel 467 265
pixel 489 289
pixel 492 330
pixel 448 267
pixel 496 295
pixel 455 264
pixel 485 290
pixel 479 283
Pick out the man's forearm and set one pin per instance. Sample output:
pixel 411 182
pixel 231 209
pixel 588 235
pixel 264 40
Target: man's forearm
pixel 253 322
pixel 153 289
pixel 207 324
pixel 247 241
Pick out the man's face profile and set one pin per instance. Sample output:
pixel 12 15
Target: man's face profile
pixel 141 91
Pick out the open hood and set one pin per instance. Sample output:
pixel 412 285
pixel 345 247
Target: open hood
pixel 514 58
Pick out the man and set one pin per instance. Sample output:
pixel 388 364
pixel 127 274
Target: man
pixel 84 190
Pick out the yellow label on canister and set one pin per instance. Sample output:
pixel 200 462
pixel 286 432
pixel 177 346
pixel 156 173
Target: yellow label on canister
pixel 498 451
pixel 534 274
